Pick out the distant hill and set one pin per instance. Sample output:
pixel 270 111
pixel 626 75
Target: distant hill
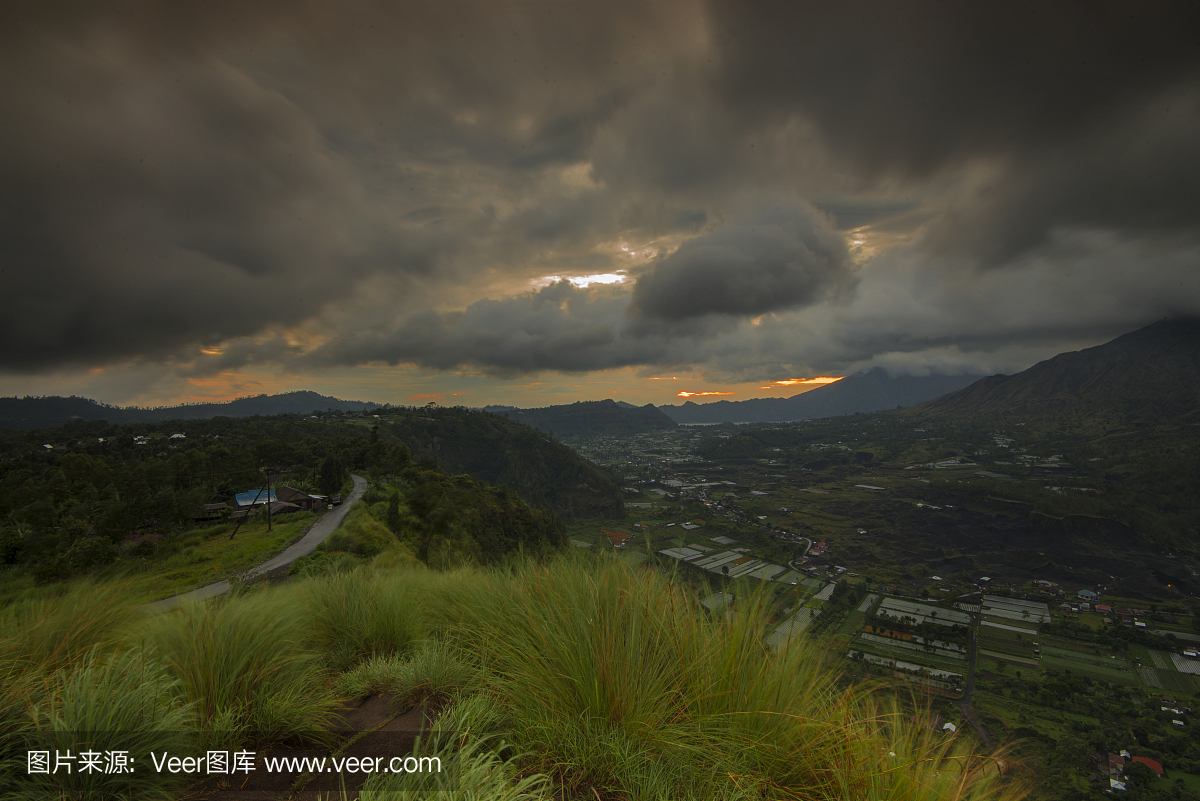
pixel 498 450
pixel 1146 377
pixel 589 418
pixel 30 412
pixel 870 391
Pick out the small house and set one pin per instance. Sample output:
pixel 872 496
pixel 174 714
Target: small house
pixel 300 498
pixel 210 512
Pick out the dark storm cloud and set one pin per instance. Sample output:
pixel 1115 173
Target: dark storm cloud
pixel 1085 110
pixel 212 171
pixel 560 327
pixel 914 85
pixel 779 258
pixel 147 207
pixel 1141 175
pixel 181 175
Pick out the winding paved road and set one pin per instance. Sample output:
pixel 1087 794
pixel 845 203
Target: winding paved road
pixel 316 534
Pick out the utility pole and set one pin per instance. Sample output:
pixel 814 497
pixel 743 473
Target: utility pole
pixel 269 499
pixel 256 497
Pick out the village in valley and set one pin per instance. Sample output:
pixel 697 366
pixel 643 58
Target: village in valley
pixel 895 546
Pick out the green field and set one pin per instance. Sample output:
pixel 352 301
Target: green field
pixel 1076 646
pixel 1166 679
pixel 1094 671
pixel 880 649
pixel 853 623
pixel 1006 646
pixel 1097 660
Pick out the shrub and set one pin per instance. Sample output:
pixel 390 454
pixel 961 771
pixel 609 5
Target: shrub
pixel 143 546
pixel 86 553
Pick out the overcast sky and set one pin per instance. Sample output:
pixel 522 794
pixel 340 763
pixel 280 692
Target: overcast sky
pixel 540 202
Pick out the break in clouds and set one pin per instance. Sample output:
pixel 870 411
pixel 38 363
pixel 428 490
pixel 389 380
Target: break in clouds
pixel 786 189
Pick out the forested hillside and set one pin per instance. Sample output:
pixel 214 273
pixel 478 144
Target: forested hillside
pixel 33 412
pixel 590 418
pixel 540 469
pixel 103 494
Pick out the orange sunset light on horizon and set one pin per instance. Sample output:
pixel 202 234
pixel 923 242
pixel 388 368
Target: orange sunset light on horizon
pixel 800 385
pixel 821 379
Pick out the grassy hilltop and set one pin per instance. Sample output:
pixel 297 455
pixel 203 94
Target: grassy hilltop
pixel 562 678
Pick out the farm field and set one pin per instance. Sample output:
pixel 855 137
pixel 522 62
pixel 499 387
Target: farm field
pixel 1095 671
pixel 1166 679
pixel 1097 660
pixel 886 650
pixel 1007 647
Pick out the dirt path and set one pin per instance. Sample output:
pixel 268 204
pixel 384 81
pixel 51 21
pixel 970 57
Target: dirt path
pixel 371 729
pixel 316 534
pixel 964 703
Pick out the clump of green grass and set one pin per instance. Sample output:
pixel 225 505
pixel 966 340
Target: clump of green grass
pixel 361 534
pixel 473 772
pixel 620 683
pixel 433 673
pixel 609 680
pixel 105 703
pixel 355 615
pixel 245 666
pixel 39 638
pixel 51 633
pixel 322 562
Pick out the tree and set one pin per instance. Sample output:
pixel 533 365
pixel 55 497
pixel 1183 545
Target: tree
pixel 332 475
pixel 394 521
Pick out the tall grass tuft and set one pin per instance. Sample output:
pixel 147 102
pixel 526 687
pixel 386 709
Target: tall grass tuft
pixel 40 637
pixel 52 633
pixel 245 666
pixel 103 704
pixel 356 615
pixel 433 673
pixel 474 772
pixel 621 683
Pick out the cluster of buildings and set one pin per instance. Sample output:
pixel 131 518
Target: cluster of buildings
pixel 281 500
pixel 1114 766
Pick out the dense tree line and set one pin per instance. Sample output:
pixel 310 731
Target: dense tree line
pixel 99 490
pixel 436 514
pixel 541 470
pixel 65 511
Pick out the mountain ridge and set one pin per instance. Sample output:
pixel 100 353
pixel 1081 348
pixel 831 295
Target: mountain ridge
pixel 869 391
pixel 589 418
pixel 1146 376
pixel 54 410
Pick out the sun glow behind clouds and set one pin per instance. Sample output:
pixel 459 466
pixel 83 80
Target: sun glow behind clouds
pixel 582 280
pixel 821 379
pixel 697 394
